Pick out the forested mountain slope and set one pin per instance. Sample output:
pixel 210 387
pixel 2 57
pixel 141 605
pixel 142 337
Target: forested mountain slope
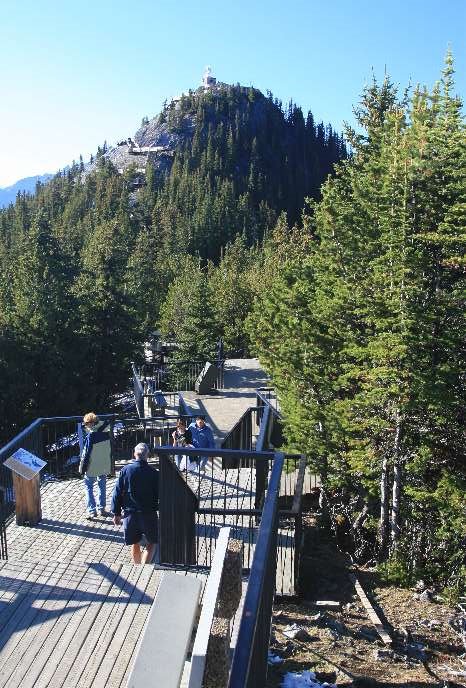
pixel 86 263
pixel 28 184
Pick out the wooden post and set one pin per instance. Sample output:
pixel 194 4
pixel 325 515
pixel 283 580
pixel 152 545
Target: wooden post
pixel 27 494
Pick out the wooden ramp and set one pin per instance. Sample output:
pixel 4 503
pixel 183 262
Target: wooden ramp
pixel 224 408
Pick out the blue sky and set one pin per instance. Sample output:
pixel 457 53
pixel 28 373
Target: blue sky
pixel 76 73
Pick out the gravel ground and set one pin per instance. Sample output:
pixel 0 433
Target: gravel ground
pixel 342 646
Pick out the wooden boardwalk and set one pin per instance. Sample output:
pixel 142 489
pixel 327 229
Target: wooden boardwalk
pixel 72 606
pixel 224 408
pixel 70 625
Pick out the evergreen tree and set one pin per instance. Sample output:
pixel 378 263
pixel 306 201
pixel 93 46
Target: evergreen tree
pixel 42 316
pixel 232 295
pixel 108 327
pixel 187 315
pixel 363 337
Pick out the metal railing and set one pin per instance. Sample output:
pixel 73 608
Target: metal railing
pixel 57 441
pixel 241 436
pixel 267 395
pixel 249 666
pixel 29 438
pixel 3 542
pixel 173 374
pixel 260 428
pixel 222 501
pixel 138 390
pixel 190 517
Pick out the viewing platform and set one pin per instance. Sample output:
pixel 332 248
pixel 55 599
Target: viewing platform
pixel 73 609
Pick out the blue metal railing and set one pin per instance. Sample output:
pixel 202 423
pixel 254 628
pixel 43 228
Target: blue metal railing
pixel 249 667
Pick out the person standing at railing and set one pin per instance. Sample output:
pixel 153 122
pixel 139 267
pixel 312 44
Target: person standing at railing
pixel 96 462
pixel 203 438
pixel 136 493
pixel 182 437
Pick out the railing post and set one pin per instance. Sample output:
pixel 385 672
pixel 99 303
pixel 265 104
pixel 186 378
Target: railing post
pixel 3 542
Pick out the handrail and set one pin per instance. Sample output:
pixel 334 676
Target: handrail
pixel 267 400
pixel 237 425
pixel 138 392
pixel 21 435
pixel 185 370
pixel 221 453
pixel 264 559
pixel 263 430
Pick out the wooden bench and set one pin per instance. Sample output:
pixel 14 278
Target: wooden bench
pixel 164 645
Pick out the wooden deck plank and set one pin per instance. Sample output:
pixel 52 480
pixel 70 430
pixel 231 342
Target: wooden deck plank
pixel 22 617
pixel 51 632
pixel 34 642
pixel 121 650
pixel 16 578
pixel 74 634
pixel 105 622
pixel 49 650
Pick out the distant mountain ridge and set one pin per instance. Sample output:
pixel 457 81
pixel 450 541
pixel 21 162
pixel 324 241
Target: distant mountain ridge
pixel 28 184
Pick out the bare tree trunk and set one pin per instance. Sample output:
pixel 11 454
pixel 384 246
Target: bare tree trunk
pixel 395 527
pixel 384 507
pixel 396 499
pixel 361 518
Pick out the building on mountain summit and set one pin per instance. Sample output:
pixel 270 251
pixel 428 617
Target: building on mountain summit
pixel 208 81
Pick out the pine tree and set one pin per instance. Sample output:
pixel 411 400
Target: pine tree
pixel 187 315
pixel 232 295
pixel 362 337
pixel 108 326
pixel 42 316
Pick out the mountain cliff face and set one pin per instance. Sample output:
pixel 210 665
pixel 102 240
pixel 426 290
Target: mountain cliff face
pixel 156 141
pixel 87 261
pixel 224 161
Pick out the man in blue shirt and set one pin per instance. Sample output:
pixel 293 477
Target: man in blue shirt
pixel 136 492
pixel 202 438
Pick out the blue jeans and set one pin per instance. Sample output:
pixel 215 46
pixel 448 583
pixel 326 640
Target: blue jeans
pixel 89 485
pixel 201 461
